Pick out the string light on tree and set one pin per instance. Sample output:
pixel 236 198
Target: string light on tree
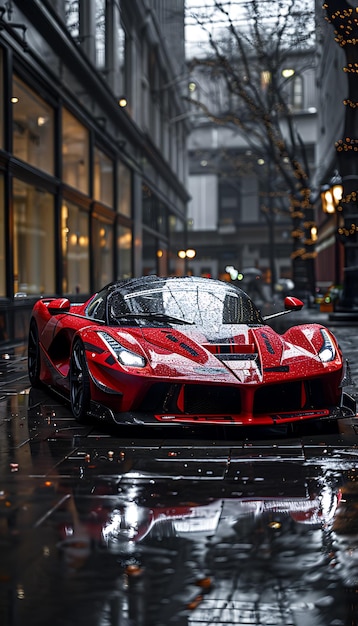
pixel 344 18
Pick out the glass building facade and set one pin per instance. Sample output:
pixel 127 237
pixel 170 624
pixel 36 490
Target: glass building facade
pixel 92 170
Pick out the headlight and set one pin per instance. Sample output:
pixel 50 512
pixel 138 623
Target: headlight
pixel 124 356
pixel 328 350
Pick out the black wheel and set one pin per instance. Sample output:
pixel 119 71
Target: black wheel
pixel 79 382
pixel 33 355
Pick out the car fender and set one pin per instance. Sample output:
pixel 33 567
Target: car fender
pixel 309 337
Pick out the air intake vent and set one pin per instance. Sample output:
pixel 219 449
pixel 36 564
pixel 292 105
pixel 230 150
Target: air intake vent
pixel 213 400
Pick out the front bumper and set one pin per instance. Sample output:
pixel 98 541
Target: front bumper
pixel 345 410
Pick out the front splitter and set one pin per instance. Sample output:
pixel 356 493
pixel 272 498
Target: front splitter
pixel 151 419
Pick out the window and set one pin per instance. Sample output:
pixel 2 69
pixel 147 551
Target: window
pixel 100 33
pixel 102 252
pixel 122 53
pixel 33 127
pixel 34 262
pixel 1 101
pixel 162 258
pixel 229 205
pixel 75 248
pixel 124 252
pixel 2 240
pixel 177 243
pixel 297 92
pixel 124 204
pixel 72 16
pixel 103 178
pixel 265 79
pixel 150 248
pixel 154 211
pixel 155 255
pixel 75 152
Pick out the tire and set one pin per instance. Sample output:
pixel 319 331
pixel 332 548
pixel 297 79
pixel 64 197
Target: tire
pixel 33 355
pixel 80 395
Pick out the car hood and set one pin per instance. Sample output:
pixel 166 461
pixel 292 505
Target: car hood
pixel 226 353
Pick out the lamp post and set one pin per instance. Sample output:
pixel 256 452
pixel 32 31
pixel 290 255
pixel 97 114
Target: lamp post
pixel 345 21
pixel 331 196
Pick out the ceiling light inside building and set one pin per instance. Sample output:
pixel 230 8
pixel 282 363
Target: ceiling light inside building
pixel 288 72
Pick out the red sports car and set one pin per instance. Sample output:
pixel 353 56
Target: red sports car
pixel 184 350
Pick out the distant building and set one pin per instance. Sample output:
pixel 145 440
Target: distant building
pixel 228 220
pixel 93 170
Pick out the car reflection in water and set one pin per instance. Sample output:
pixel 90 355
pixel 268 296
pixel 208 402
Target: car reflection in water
pixel 201 552
pixel 129 522
pixel 200 557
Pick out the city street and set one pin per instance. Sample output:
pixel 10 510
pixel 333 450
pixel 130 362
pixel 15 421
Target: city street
pixel 154 156
pixel 103 526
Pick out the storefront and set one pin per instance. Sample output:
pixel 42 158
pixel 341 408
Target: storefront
pixel 86 197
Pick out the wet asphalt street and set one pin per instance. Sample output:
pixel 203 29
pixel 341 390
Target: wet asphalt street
pixel 129 527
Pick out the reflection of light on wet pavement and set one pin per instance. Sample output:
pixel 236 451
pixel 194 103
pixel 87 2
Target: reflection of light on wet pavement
pixel 172 525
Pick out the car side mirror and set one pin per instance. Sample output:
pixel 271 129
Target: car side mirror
pixel 293 304
pixel 59 305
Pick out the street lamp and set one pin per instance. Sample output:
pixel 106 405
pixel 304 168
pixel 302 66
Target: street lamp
pixel 331 196
pixel 186 254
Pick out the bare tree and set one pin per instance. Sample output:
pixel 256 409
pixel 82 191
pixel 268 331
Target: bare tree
pixel 250 42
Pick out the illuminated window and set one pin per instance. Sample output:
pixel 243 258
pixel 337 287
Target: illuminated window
pixel 102 252
pixel 75 248
pixel 1 101
pixel 124 178
pixel 124 252
pixel 34 256
pixel 103 178
pixel 297 92
pixel 265 79
pixel 33 127
pixel 75 152
pixel 2 240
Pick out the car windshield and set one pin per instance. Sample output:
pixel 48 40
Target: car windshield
pixel 202 302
